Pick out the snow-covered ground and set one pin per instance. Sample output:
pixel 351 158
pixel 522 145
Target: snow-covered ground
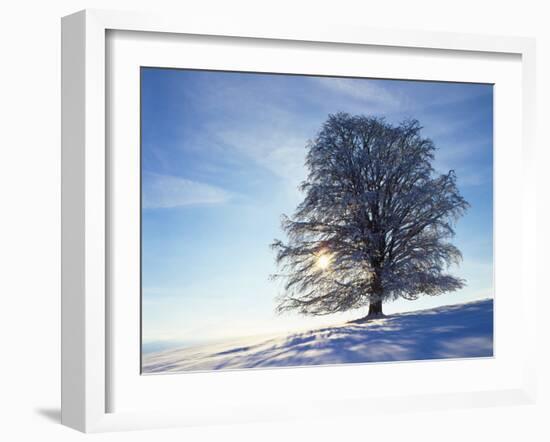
pixel 455 331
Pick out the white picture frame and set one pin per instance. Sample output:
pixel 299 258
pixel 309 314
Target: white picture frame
pixel 87 204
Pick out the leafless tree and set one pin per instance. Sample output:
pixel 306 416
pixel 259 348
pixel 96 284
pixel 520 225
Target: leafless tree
pixel 375 222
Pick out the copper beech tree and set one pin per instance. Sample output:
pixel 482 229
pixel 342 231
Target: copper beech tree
pixel 375 223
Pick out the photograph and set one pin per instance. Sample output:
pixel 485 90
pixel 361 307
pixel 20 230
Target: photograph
pixel 292 220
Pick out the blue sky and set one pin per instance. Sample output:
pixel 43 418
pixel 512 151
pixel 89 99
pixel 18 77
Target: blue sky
pixel 222 156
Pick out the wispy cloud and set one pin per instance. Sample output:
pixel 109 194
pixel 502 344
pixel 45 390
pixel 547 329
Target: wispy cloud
pixel 368 92
pixel 468 159
pixel 281 152
pixel 165 191
pixel 252 119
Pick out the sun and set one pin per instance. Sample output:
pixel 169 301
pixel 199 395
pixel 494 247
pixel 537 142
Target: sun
pixel 323 261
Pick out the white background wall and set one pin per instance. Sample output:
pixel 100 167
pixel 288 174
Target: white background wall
pixel 30 220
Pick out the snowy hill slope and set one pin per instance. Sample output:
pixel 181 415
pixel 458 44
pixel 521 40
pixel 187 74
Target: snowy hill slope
pixel 455 331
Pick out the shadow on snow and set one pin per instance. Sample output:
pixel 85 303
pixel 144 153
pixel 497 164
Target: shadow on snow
pixel 456 331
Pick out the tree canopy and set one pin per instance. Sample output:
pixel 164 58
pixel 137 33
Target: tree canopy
pixel 375 223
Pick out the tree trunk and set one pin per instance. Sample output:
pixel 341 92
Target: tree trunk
pixel 375 308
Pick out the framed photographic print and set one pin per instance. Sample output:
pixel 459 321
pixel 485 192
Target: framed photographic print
pixel 249 213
